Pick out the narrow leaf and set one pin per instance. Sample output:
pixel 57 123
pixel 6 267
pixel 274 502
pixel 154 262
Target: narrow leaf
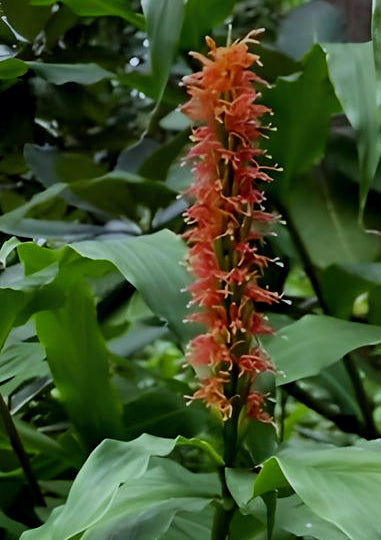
pixel 353 74
pixel 164 21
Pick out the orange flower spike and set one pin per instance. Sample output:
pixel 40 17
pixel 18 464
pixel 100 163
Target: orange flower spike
pixel 226 225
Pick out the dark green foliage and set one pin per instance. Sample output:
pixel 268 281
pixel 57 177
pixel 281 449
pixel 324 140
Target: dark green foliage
pixel 92 307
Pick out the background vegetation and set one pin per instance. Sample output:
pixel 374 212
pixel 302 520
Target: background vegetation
pixel 91 314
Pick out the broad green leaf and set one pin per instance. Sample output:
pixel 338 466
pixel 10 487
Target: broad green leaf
pixel 89 8
pixel 352 72
pixel 51 166
pixel 175 121
pixel 160 412
pixel 260 441
pixel 111 464
pixel 152 263
pixel 156 166
pixel 297 518
pixel 302 127
pixel 118 193
pixel 275 63
pixel 240 483
pixel 201 17
pixel 164 20
pixel 12 67
pixel 42 228
pixel 150 524
pixel 64 73
pixel 327 225
pixel 145 507
pixel 78 360
pixel 340 485
pixel 305 347
pixel 310 23
pixel 16 222
pixel 185 527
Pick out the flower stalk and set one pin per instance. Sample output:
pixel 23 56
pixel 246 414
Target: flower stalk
pixel 227 225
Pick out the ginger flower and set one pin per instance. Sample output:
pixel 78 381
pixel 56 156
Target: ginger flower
pixel 227 223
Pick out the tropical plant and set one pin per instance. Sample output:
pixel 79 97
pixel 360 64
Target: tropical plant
pixel 118 418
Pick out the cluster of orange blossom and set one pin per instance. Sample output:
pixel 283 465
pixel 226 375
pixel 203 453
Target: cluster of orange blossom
pixel 227 224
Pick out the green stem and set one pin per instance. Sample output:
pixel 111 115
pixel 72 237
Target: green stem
pixel 222 519
pixel 223 515
pixel 20 452
pixel 283 402
pixel 362 398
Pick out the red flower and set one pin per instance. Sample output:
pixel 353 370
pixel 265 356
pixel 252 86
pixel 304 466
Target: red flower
pixel 227 223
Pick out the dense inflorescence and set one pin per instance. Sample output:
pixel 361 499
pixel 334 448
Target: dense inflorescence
pixel 227 224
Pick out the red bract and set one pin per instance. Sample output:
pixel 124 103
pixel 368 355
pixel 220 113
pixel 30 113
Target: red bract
pixel 227 223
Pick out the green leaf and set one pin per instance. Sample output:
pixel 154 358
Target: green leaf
pixel 145 507
pixel 376 42
pixel 146 83
pixel 90 8
pixel 20 363
pixel 42 228
pixel 302 127
pixel 51 166
pixel 64 73
pixel 6 249
pixel 314 342
pixel 260 441
pixel 78 360
pixel 111 464
pixel 342 284
pixel 118 193
pixel 352 72
pixel 185 527
pixel 12 68
pixel 339 288
pixel 13 528
pixel 21 296
pixel 156 166
pixel 152 263
pixel 338 238
pixel 16 222
pixel 160 412
pixel 205 446
pixel 310 23
pixel 164 21
pixel 297 518
pixel 332 481
pixel 201 17
pixel 23 20
pixel 240 483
